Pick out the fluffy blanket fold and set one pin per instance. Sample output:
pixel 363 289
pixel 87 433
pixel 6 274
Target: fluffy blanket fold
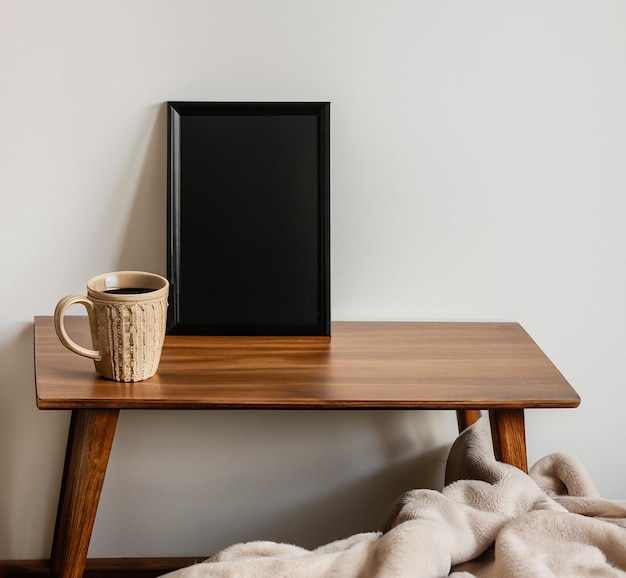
pixel 491 520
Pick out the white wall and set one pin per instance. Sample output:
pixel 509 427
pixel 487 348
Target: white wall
pixel 478 173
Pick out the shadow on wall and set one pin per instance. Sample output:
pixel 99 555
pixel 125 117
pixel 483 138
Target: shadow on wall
pixel 144 244
pixel 30 441
pixel 361 506
pixel 212 478
pixel 408 456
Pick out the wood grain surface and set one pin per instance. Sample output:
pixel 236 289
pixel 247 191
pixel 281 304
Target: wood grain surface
pixel 89 446
pixel 363 365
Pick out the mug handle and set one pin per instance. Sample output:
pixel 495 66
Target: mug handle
pixel 59 326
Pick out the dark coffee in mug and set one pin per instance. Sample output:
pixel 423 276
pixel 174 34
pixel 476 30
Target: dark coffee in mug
pixel 129 290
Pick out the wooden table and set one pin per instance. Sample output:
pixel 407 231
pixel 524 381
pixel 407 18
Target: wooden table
pixel 466 367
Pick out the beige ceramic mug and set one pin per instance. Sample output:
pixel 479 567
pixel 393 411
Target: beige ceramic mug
pixel 127 316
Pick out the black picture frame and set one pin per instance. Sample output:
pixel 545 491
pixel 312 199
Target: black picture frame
pixel 248 221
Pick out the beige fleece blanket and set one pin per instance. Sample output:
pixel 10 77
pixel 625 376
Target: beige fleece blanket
pixel 490 520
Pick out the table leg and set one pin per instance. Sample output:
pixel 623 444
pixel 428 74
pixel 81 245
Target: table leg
pixel 88 447
pixel 509 437
pixel 466 417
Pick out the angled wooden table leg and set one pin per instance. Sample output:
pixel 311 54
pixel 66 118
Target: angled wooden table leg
pixel 88 447
pixel 509 437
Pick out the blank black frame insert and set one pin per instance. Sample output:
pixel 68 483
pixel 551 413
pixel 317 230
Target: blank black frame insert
pixel 249 218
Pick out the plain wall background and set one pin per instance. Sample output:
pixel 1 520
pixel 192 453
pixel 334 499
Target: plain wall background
pixel 478 173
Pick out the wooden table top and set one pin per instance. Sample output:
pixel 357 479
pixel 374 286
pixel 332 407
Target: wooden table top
pixel 364 365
